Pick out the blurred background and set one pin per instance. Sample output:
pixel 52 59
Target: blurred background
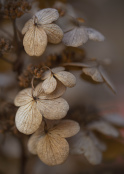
pixel 106 16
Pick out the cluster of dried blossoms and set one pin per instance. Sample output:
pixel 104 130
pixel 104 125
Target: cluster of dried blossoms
pixel 41 108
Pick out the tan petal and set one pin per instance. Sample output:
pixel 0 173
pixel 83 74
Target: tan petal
pixel 54 33
pixel 23 97
pixel 47 16
pixel 52 149
pixel 46 74
pixel 94 34
pixel 99 144
pixel 66 128
pixel 58 69
pixel 53 109
pixel 94 74
pixel 35 41
pixel 84 145
pixel 49 85
pixel 75 37
pixel 67 78
pixel 115 119
pixel 59 91
pixel 28 118
pixel 27 25
pixel 107 79
pixel 104 127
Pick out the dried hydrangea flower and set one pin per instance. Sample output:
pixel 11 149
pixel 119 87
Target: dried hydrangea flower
pixel 96 71
pixel 57 74
pixel 87 144
pixel 49 142
pixel 35 103
pixel 75 34
pixel 39 30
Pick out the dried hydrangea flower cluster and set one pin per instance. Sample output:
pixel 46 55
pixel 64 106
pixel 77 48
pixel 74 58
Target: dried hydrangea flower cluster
pixel 39 30
pixel 86 142
pixel 38 107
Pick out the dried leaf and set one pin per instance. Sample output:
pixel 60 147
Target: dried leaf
pixel 58 69
pixel 52 149
pixel 94 34
pixel 49 85
pixel 28 118
pixel 47 16
pixel 27 25
pixel 53 109
pixel 66 128
pixel 35 41
pixel 23 97
pixel 93 73
pixel 54 33
pixel 75 37
pixel 104 127
pixel 67 78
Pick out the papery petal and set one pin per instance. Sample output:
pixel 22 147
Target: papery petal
pixel 27 25
pixel 46 74
pixel 94 34
pixel 28 118
pixel 104 127
pixel 116 119
pixel 53 109
pixel 52 149
pixel 67 78
pixel 23 97
pixel 47 16
pixel 75 37
pixel 58 69
pixel 107 79
pixel 33 140
pixel 93 73
pixel 35 41
pixel 54 33
pixel 83 144
pixel 66 128
pixel 59 91
pixel 99 144
pixel 49 85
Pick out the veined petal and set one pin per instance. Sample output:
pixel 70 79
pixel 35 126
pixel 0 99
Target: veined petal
pixel 53 109
pixel 76 37
pixel 23 97
pixel 94 34
pixel 59 91
pixel 49 85
pixel 47 16
pixel 28 118
pixel 27 25
pixel 94 73
pixel 33 140
pixel 58 69
pixel 66 128
pixel 52 149
pixel 54 33
pixel 83 144
pixel 67 78
pixel 104 128
pixel 35 41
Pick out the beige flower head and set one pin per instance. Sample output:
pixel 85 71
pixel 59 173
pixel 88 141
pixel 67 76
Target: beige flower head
pixel 34 104
pixel 49 142
pixel 75 34
pixel 52 77
pixel 39 30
